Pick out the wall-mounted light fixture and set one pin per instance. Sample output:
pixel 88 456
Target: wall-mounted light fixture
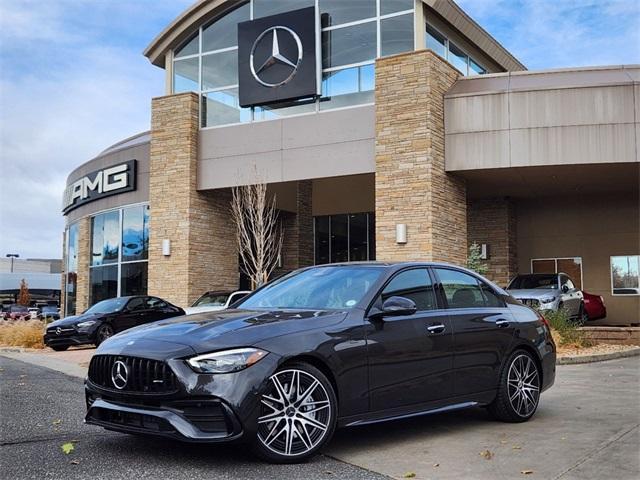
pixel 166 247
pixel 484 251
pixel 401 233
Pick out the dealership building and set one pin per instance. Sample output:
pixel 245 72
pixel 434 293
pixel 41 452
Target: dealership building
pixel 386 129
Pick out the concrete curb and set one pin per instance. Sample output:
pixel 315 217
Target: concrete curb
pixel 69 368
pixel 601 357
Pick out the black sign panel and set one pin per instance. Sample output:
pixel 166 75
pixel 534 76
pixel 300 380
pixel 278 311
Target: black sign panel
pixel 99 184
pixel 277 58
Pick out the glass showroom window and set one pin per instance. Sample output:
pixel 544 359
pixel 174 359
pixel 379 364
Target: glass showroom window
pixel 119 253
pixel 354 34
pixel 450 51
pixel 71 271
pixel 344 238
pixel 625 275
pixel 572 266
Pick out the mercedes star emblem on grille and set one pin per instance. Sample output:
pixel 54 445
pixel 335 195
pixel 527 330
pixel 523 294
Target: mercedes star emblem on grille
pixel 276 58
pixel 119 374
pixel 58 331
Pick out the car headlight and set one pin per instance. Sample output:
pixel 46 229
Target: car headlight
pixel 86 324
pixel 227 361
pixel 548 300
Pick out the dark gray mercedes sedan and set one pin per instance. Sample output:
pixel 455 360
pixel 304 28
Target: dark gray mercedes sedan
pixel 321 348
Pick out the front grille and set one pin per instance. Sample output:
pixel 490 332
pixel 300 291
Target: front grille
pixel 143 375
pixel 530 302
pixel 61 331
pixel 208 417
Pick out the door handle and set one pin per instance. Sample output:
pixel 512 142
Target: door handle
pixel 435 328
pixel 502 323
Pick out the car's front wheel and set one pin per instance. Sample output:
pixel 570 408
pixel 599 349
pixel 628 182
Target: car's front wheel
pixel 519 389
pixel 105 331
pixel 298 412
pixel 59 348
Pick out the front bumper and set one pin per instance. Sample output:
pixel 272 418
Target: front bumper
pixel 202 407
pixel 70 339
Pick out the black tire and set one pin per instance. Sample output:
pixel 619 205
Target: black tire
pixel 104 332
pixel 320 406
pixel 517 401
pixel 59 348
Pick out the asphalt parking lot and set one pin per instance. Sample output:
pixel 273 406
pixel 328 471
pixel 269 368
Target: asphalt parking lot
pixel 587 427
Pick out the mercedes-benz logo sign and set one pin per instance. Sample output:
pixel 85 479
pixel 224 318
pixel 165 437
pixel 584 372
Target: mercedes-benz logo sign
pixel 58 331
pixel 119 374
pixel 276 57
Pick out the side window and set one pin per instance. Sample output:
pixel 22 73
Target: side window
pixel 461 290
pixel 414 284
pixel 570 284
pixel 155 303
pixel 490 297
pixel 136 304
pixel 236 296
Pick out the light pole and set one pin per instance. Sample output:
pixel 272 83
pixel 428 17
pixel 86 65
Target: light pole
pixel 12 256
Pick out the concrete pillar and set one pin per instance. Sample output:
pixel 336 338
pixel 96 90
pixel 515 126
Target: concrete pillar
pixel 197 224
pixel 493 222
pixel 412 187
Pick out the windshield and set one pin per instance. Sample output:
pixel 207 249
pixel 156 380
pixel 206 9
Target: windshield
pixel 19 308
pixel 108 306
pixel 525 282
pixel 317 288
pixel 212 300
pixel 49 309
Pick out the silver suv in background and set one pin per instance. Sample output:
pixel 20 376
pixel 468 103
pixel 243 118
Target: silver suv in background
pixel 550 292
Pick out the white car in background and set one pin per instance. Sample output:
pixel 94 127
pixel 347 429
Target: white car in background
pixel 214 301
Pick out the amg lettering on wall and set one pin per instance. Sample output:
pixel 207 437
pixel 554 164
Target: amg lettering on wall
pixel 99 184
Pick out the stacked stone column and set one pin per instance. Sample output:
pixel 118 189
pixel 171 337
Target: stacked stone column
pixel 412 186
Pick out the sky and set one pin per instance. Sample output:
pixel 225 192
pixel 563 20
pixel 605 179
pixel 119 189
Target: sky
pixel 73 81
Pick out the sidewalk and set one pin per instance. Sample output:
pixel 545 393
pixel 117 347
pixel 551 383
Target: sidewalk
pixel 74 362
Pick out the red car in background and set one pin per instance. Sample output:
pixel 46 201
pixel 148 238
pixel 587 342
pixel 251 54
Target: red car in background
pixel 594 306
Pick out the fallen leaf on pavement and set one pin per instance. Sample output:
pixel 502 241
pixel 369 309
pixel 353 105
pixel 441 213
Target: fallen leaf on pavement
pixel 67 448
pixel 409 475
pixel 503 441
pixel 526 472
pixel 21 384
pixel 486 454
pixel 74 462
pixel 517 447
pixel 56 422
pixel 436 464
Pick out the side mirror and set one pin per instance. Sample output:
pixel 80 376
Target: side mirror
pixel 395 307
pixel 565 288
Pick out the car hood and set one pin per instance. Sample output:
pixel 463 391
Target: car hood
pixel 75 319
pixel 206 332
pixel 534 293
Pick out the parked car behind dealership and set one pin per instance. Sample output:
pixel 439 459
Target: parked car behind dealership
pixel 594 307
pixel 326 347
pixel 107 318
pixel 50 312
pixel 17 312
pixel 215 301
pixel 550 292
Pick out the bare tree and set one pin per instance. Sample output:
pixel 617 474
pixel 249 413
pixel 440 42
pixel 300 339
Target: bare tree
pixel 258 231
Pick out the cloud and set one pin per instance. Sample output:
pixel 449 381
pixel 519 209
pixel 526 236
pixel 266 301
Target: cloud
pixel 556 34
pixel 73 81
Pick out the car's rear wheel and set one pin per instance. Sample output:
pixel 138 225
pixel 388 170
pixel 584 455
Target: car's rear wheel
pixel 298 413
pixel 519 389
pixel 59 348
pixel 105 331
pixel 583 316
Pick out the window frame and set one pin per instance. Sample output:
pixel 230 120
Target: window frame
pixel 447 41
pixel 611 257
pixel 377 300
pixel 555 259
pixel 480 282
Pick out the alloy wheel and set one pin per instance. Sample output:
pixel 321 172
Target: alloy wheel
pixel 523 385
pixel 295 413
pixel 105 332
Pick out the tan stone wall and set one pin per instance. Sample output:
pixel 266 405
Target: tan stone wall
pixel 203 253
pixel 84 257
pixel 493 222
pixel 412 186
pixel 297 245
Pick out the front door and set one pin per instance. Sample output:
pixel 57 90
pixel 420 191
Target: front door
pixel 410 357
pixel 483 329
pixel 130 315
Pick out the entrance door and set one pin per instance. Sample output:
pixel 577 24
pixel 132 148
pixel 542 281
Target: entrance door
pixel 410 357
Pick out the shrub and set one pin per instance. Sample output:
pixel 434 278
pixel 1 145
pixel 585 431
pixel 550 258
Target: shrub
pixel 566 329
pixel 22 333
pixel 474 259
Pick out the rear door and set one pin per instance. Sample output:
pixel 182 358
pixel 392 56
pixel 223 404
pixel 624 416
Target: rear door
pixel 410 356
pixel 483 329
pixel 130 315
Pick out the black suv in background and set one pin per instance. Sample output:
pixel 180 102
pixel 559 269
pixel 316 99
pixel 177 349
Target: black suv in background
pixel 107 318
